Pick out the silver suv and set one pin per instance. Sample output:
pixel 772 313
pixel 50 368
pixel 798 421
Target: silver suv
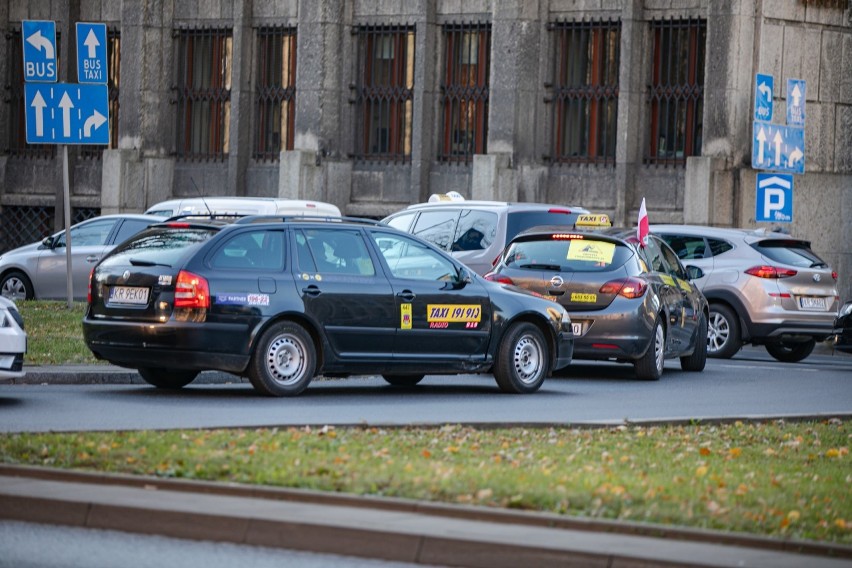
pixel 475 232
pixel 764 288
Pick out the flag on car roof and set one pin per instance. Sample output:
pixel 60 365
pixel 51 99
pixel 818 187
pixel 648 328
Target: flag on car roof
pixel 642 227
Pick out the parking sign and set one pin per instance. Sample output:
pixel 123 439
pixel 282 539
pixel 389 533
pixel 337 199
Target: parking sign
pixel 774 199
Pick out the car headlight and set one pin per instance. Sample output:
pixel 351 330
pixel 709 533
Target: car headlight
pixel 845 310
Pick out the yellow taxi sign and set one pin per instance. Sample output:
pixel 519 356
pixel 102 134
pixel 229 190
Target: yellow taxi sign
pixel 601 220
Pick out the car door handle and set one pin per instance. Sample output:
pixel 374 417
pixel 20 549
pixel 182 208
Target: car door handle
pixel 92 258
pixel 311 291
pixel 406 295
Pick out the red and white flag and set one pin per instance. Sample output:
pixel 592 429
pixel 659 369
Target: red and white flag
pixel 642 227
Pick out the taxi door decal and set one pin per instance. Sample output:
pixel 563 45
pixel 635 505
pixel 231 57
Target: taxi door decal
pixel 405 316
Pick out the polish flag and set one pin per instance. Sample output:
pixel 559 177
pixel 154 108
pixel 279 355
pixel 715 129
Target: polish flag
pixel 642 227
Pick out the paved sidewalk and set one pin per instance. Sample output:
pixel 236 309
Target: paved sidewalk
pixel 390 529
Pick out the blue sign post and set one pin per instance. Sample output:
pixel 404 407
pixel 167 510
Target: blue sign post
pixel 796 89
pixel 778 148
pixel 774 202
pixel 91 53
pixel 763 93
pixel 67 113
pixel 39 49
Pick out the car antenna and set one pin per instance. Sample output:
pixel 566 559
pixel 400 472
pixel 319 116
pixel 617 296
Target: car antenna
pixel 198 191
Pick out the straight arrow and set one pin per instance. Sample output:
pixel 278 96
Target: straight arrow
pixel 761 137
pixel 778 141
pixel 92 43
pixel 38 41
pixel 797 95
pixel 38 104
pixel 93 121
pixel 66 105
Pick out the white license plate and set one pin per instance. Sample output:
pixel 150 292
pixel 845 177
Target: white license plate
pixel 128 295
pixel 577 329
pixel 807 303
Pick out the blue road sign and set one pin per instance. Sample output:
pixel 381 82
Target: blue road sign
pixel 91 53
pixel 67 113
pixel 796 102
pixel 774 200
pixel 778 148
pixel 763 93
pixel 39 48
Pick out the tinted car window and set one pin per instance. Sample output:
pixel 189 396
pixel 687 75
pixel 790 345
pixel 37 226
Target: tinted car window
pixel 402 222
pixel 655 257
pixel 675 267
pixel 437 227
pixel 718 246
pixel 333 251
pixel 522 220
pixel 129 228
pixel 475 230
pixel 686 247
pixel 252 250
pixel 564 255
pixel 159 246
pixel 794 253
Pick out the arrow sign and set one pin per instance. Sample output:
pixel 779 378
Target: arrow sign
pixel 67 113
pixel 38 104
pixel 796 90
pixel 93 121
pixel 778 141
pixel 91 53
pixel 66 105
pixel 92 43
pixel 40 42
pixel 39 50
pixel 795 156
pixel 761 137
pixel 763 92
pixel 778 148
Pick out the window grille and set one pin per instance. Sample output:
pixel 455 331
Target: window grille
pixel 275 98
pixel 586 91
pixel 24 225
pixel 17 137
pixel 113 80
pixel 384 93
pixel 203 92
pixel 465 91
pixel 676 92
pixel 80 214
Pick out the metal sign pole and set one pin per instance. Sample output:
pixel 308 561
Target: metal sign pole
pixel 66 194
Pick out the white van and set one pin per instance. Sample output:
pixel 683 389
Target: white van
pixel 243 206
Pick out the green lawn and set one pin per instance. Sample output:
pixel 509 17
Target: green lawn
pixel 54 333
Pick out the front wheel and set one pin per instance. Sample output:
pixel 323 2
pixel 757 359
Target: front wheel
pixel 167 379
pixel 791 352
pixel 284 360
pixel 16 286
pixel 723 335
pixel 698 359
pixel 650 366
pixel 522 359
pixel 403 380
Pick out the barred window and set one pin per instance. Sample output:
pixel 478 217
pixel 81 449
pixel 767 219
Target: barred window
pixel 465 91
pixel 24 225
pixel 17 137
pixel 676 93
pixel 113 78
pixel 203 92
pixel 384 94
pixel 586 91
pixel 275 102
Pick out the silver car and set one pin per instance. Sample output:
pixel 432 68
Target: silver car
pixel 764 288
pixel 38 271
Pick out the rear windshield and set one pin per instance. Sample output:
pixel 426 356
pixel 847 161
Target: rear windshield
pixel 165 246
pixel 522 220
pixel 793 253
pixel 575 255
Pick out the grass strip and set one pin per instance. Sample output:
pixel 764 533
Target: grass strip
pixel 55 333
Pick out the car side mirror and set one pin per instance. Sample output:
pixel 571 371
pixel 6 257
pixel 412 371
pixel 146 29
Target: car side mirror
pixel 48 242
pixel 694 272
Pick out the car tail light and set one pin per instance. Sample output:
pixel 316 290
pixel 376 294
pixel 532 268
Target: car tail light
pixel 89 290
pixel 191 291
pixel 494 277
pixel 765 271
pixel 834 275
pixel 563 211
pixel 628 287
pixel 782 296
pixel 178 225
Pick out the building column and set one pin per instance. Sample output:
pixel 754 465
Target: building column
pixel 240 145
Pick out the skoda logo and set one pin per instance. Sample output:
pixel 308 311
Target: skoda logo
pixel 556 281
pixel 817 277
pixel 126 275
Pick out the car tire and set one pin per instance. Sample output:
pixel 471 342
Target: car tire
pixel 649 367
pixel 167 379
pixel 284 360
pixel 522 359
pixel 697 361
pixel 724 338
pixel 16 286
pixel 403 380
pixel 791 352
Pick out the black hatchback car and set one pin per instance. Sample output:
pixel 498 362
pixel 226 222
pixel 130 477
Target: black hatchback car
pixel 282 300
pixel 627 302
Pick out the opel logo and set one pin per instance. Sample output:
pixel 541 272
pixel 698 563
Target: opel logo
pixel 817 277
pixel 556 281
pixel 126 275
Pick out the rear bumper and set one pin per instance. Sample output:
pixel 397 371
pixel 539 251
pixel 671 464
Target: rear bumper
pixel 768 332
pixel 843 339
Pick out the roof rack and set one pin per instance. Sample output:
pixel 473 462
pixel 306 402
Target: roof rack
pixel 249 219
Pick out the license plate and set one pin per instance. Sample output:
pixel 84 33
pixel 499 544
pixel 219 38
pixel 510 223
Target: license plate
pixel 128 295
pixel 577 329
pixel 807 303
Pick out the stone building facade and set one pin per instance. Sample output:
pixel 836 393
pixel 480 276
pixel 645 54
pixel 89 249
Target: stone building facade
pixel 375 104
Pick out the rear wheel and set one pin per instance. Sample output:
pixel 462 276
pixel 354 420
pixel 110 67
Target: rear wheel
pixel 698 359
pixel 16 286
pixel 167 379
pixel 284 360
pixel 791 352
pixel 522 359
pixel 403 380
pixel 650 366
pixel 723 334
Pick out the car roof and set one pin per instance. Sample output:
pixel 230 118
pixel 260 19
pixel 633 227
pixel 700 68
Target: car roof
pixel 484 204
pixel 615 233
pixel 747 235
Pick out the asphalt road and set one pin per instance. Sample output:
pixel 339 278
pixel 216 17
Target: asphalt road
pixel 751 385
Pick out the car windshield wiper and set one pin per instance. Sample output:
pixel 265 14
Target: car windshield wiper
pixel 140 262
pixel 541 266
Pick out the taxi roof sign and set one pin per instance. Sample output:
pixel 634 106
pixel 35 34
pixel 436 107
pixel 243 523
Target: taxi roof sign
pixel 600 220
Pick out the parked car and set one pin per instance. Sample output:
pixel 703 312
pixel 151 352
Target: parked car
pixel 764 288
pixel 13 341
pixel 627 303
pixel 38 271
pixel 843 328
pixel 243 206
pixel 475 232
pixel 280 302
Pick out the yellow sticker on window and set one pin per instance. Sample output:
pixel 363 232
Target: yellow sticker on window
pixel 667 279
pixel 405 320
pixel 579 297
pixel 453 312
pixel 684 285
pixel 594 251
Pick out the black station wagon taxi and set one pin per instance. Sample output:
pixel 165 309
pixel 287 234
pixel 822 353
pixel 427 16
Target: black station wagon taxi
pixel 280 300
